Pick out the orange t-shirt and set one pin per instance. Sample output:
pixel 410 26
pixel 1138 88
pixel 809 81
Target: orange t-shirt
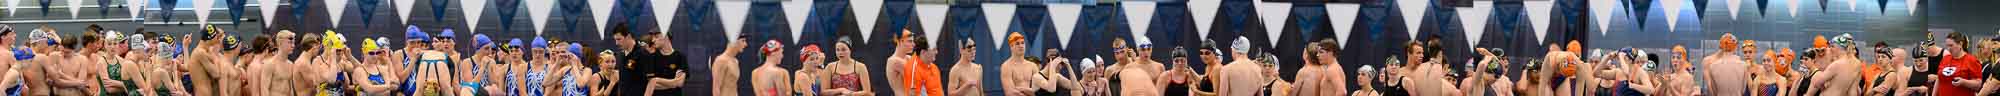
pixel 922 77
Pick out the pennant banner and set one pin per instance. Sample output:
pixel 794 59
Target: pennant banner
pixel 1793 6
pixel 1850 5
pixel 600 10
pixel 201 8
pixel 1673 15
pixel 1538 17
pixel 1204 14
pixel 663 13
pixel 998 17
pixel 796 13
pixel 1912 5
pixel 76 6
pixel 1343 15
pixel 538 13
pixel 1600 9
pixel 403 8
pixel 1273 14
pixel 1413 14
pixel 267 7
pixel 932 16
pixel 12 6
pixel 1475 20
pixel 1734 7
pixel 1140 15
pixel 733 15
pixel 133 7
pixel 334 9
pixel 1065 17
pixel 475 8
pixel 865 13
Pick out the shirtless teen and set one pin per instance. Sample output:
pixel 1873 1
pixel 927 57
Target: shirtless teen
pixel 1316 77
pixel 966 75
pixel 37 74
pixel 1019 77
pixel 1726 69
pixel 1679 80
pixel 768 79
pixel 1136 72
pixel 1841 76
pixel 1243 76
pixel 725 69
pixel 899 62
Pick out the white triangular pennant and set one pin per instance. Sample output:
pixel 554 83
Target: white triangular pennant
pixel 1413 14
pixel 403 8
pixel 796 12
pixel 663 13
pixel 12 6
pixel 601 11
pixel 1343 15
pixel 1064 16
pixel 538 13
pixel 1793 5
pixel 76 6
pixel 267 7
pixel 1139 16
pixel 865 13
pixel 133 7
pixel 1204 14
pixel 998 17
pixel 1600 10
pixel 473 10
pixel 1273 17
pixel 932 16
pixel 1673 17
pixel 201 10
pixel 1538 17
pixel 1850 5
pixel 1475 20
pixel 1734 7
pixel 1911 5
pixel 733 13
pixel 334 9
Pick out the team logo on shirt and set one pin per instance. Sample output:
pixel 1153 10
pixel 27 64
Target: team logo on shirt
pixel 1949 70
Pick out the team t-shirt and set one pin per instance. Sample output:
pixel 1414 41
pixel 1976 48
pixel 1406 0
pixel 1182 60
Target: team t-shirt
pixel 1957 67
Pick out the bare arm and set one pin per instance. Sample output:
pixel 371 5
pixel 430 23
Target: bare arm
pixel 895 73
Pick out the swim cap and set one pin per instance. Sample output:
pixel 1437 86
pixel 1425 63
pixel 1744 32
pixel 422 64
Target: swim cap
pixel 513 43
pixel 1241 45
pixel 772 46
pixel 538 43
pixel 447 34
pixel 368 44
pixel 334 40
pixel 481 41
pixel 416 35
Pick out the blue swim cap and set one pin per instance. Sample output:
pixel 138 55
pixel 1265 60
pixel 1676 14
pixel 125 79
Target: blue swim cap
pixel 480 40
pixel 539 43
pixel 514 43
pixel 417 36
pixel 447 34
pixel 576 49
pixel 24 53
